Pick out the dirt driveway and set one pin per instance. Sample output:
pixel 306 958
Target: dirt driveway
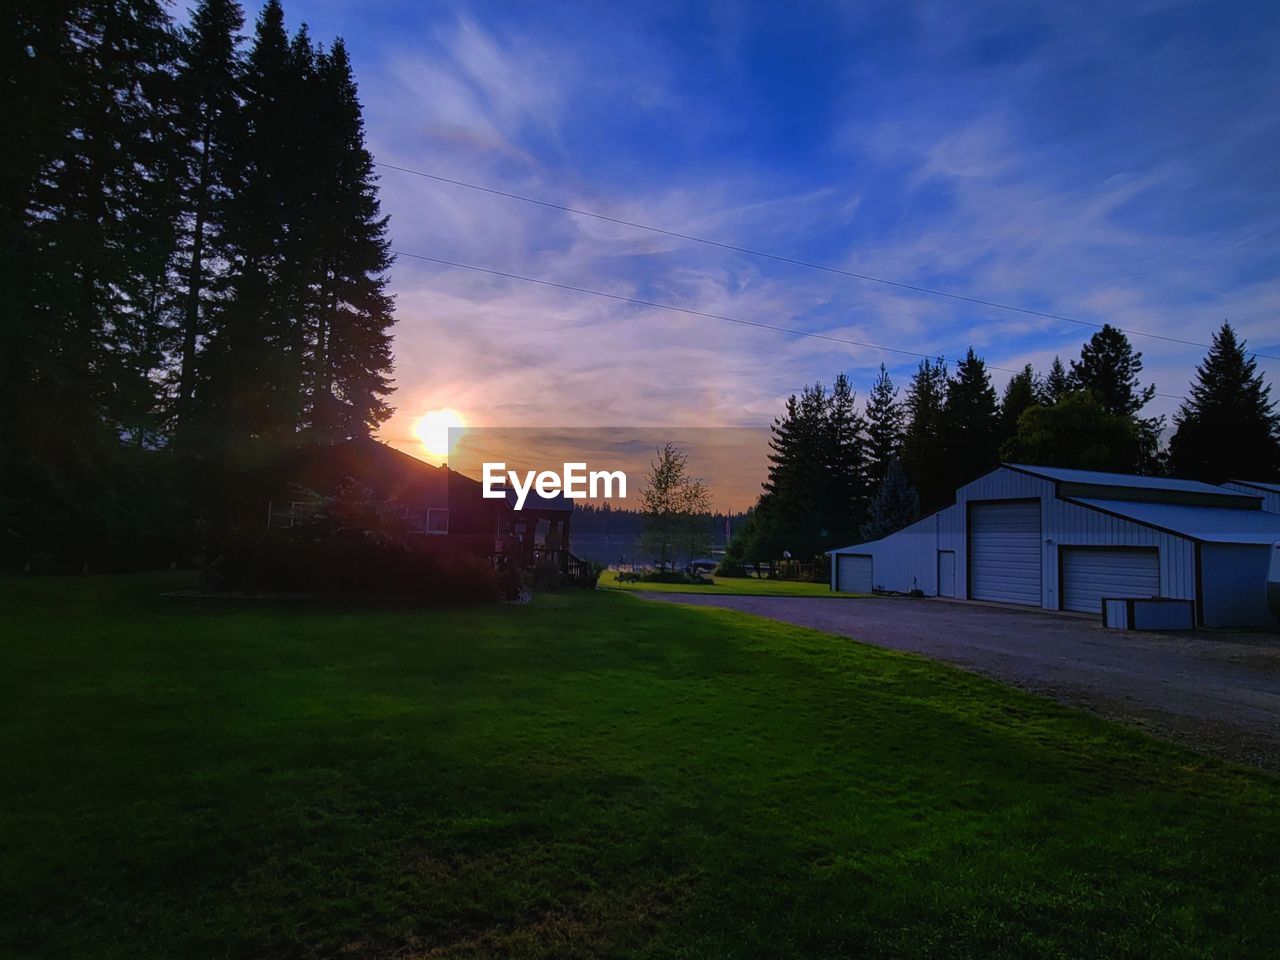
pixel 1219 692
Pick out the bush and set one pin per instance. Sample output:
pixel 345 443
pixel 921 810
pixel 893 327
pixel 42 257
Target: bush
pixel 673 576
pixel 314 560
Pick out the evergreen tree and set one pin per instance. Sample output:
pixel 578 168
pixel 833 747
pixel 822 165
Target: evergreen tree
pixel 249 377
pixel 789 512
pixel 1227 428
pixel 209 82
pixel 971 424
pixel 1057 384
pixel 88 227
pixel 350 315
pixel 1022 391
pixel 1109 368
pixel 895 505
pixel 923 455
pixel 885 417
pixel 844 497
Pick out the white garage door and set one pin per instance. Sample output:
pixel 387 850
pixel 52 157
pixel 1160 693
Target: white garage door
pixel 1091 573
pixel 1004 552
pixel 853 574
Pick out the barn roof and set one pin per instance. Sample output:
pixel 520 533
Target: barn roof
pixel 1207 524
pixel 1128 480
pixel 1259 485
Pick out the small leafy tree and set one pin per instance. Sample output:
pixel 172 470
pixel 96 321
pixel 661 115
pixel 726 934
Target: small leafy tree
pixel 1076 432
pixel 676 507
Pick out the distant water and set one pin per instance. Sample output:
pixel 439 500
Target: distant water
pixel 615 548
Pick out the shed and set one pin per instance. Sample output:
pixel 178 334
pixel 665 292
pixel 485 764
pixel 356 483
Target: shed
pixel 1062 539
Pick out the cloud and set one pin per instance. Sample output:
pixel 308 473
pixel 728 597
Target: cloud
pixel 1104 168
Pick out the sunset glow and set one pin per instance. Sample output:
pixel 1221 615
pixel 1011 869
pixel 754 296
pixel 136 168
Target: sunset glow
pixel 432 431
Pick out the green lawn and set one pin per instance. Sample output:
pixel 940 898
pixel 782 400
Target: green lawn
pixel 730 585
pixel 591 775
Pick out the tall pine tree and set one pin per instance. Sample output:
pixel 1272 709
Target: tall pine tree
pixel 350 312
pixel 1057 383
pixel 885 416
pixel 1109 368
pixel 209 92
pixel 971 423
pixel 923 457
pixel 1023 390
pixel 1228 427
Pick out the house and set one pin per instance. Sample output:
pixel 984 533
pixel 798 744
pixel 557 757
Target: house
pixel 1063 539
pixel 439 502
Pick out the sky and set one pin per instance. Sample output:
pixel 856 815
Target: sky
pixel 1111 162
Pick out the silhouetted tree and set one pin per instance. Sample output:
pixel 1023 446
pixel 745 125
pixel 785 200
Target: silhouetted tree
pixel 1057 383
pixel 970 423
pixel 923 455
pixel 1022 391
pixel 885 417
pixel 1109 368
pixel 209 117
pixel 1227 428
pixel 350 311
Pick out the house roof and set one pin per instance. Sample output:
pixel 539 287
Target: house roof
pixel 1099 478
pixel 1259 485
pixel 1207 524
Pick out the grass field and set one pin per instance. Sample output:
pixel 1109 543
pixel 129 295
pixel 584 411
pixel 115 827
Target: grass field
pixel 752 586
pixel 586 776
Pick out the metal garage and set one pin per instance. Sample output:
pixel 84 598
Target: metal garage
pixel 853 574
pixel 1059 538
pixel 1091 573
pixel 1004 551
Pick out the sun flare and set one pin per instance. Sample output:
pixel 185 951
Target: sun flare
pixel 432 430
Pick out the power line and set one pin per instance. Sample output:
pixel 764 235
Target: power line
pixel 695 313
pixel 826 268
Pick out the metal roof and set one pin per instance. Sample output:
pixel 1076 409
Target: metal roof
pixel 1259 485
pixel 1098 478
pixel 1208 524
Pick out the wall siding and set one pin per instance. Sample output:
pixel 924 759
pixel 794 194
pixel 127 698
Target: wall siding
pixel 1235 584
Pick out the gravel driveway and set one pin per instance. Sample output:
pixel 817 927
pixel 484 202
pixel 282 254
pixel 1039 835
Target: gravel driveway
pixel 1219 692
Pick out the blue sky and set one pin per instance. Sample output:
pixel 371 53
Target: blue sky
pixel 1112 162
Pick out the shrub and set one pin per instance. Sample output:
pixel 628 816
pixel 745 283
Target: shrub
pixel 312 559
pixel 674 576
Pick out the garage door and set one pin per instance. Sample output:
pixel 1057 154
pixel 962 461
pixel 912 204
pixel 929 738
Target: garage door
pixel 1004 552
pixel 853 574
pixel 1089 574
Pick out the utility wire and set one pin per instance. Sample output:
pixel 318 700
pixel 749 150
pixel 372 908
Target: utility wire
pixel 826 268
pixel 696 313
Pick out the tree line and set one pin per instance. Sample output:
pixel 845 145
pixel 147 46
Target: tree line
pixel 195 263
pixel 840 473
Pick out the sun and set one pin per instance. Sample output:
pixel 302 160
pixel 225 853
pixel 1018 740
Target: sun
pixel 432 430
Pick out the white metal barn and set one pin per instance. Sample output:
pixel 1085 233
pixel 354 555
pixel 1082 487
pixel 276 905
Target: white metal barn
pixel 1064 539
